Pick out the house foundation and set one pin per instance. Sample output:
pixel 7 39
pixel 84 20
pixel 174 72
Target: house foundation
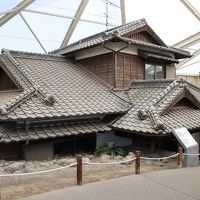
pixel 43 151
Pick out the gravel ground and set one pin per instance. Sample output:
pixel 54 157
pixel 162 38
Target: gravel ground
pixel 23 186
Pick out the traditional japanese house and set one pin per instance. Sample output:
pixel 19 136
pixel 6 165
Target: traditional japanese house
pixel 118 84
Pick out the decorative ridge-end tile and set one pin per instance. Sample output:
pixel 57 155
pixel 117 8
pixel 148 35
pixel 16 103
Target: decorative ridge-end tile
pixel 142 114
pixel 12 104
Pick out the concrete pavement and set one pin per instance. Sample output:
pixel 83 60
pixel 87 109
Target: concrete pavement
pixel 183 184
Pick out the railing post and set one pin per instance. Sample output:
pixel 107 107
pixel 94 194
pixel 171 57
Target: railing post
pixel 79 169
pixel 137 162
pixel 180 157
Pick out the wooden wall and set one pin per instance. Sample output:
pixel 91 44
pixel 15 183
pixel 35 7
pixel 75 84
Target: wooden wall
pixel 102 66
pixel 129 67
pixel 119 72
pixel 192 79
pixel 5 82
pixel 142 36
pixel 11 151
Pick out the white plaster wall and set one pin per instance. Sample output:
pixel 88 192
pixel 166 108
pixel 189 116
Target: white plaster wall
pixel 42 151
pixel 99 50
pixel 102 138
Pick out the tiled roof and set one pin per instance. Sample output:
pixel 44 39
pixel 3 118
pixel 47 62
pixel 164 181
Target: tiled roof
pixel 55 87
pixel 6 96
pixel 180 52
pixel 159 57
pixel 8 134
pixel 150 98
pixel 118 33
pixel 101 37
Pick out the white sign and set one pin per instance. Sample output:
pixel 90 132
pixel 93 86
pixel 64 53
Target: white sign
pixel 190 146
pixel 184 137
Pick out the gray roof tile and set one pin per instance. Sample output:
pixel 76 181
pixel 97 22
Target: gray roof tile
pixel 118 33
pixel 8 134
pixel 160 93
pixel 77 92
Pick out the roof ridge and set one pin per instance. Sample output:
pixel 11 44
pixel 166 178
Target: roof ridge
pixel 156 120
pixel 190 84
pixel 17 66
pixel 12 104
pixel 154 81
pixel 10 67
pixel 101 34
pixel 168 48
pixel 42 94
pixel 142 113
pixel 33 53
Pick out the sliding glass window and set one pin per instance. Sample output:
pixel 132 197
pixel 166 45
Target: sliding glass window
pixel 154 72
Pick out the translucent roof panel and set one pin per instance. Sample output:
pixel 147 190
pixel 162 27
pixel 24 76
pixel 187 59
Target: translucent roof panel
pixel 196 4
pixel 51 30
pixel 61 7
pixel 7 5
pixel 171 20
pixel 15 35
pixel 96 11
pixel 191 68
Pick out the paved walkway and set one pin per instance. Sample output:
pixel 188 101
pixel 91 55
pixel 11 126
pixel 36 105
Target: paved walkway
pixel 183 184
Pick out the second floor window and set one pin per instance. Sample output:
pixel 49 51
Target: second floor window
pixel 154 72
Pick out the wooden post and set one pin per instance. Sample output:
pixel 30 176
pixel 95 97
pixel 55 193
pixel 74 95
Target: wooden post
pixel 153 145
pixel 180 157
pixel 137 162
pixel 79 169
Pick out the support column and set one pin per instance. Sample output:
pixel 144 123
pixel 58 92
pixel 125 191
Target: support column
pixel 153 145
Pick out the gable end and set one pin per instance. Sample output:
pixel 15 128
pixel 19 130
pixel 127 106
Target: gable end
pixel 185 94
pixel 145 34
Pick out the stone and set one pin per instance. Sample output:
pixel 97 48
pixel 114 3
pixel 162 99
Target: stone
pixel 148 162
pixel 119 157
pixel 45 164
pixel 127 158
pixel 165 161
pixel 2 163
pixel 38 169
pixel 15 167
pixel 105 158
pixel 20 172
pixel 90 156
pixel 131 154
pixel 86 159
pixel 62 162
pixel 65 161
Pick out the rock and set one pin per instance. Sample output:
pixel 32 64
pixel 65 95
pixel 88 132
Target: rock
pixel 158 163
pixel 15 167
pixel 86 159
pixel 148 162
pixel 127 158
pixel 35 169
pixel 19 172
pixel 45 164
pixel 90 156
pixel 64 161
pixel 105 158
pixel 131 154
pixel 119 157
pixel 2 163
pixel 165 161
